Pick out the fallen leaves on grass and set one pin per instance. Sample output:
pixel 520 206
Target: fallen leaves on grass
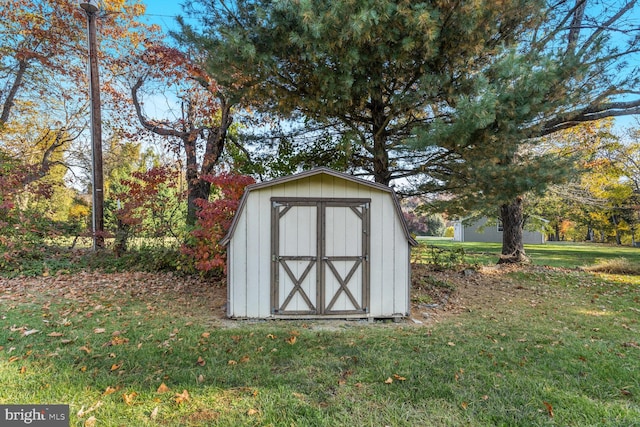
pixel 182 397
pixel 81 413
pixel 549 408
pixel 393 378
pixel 84 286
pixel 129 398
pixel 163 388
pixel 117 340
pixel 109 390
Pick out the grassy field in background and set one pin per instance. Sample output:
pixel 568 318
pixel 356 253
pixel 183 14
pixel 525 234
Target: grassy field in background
pixel 554 254
pixel 523 347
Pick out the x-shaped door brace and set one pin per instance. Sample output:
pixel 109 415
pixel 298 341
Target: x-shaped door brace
pixel 297 283
pixel 343 283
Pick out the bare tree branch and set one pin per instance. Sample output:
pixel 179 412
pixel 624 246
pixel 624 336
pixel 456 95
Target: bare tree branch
pixel 11 95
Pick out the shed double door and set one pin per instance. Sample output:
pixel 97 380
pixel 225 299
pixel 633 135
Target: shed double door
pixel 320 256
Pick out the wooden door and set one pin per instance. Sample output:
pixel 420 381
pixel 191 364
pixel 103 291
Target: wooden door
pixel 320 256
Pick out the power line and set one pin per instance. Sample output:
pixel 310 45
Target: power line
pixel 160 16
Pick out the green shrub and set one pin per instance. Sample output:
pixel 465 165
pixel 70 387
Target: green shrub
pixel 439 258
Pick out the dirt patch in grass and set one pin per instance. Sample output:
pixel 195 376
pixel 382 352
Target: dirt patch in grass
pixel 435 294
pixel 487 288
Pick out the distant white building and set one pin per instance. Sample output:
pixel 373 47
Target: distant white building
pixel 480 231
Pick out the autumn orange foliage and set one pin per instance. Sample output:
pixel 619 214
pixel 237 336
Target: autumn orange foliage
pixel 214 220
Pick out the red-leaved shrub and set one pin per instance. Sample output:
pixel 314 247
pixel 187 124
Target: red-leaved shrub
pixel 214 219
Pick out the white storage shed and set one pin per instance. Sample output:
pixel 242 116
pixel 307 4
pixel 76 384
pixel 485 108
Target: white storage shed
pixel 318 244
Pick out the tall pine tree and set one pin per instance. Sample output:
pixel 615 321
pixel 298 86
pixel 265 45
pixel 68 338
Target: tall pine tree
pixel 455 93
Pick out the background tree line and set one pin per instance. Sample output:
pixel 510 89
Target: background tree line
pixel 476 107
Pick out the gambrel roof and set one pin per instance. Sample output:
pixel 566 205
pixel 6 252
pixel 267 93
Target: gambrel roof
pixel 311 173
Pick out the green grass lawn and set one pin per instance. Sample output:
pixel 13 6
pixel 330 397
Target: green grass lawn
pixel 551 348
pixel 554 254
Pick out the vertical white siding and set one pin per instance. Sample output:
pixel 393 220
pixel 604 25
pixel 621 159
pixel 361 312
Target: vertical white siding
pixel 262 256
pixel 238 269
pixel 254 214
pixel 402 270
pixel 386 226
pixel 250 257
pixel 377 291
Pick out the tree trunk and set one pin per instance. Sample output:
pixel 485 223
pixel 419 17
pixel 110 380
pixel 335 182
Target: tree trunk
pixel 122 235
pixel 512 244
pixel 614 220
pixel 199 189
pixel 379 121
pixel 590 236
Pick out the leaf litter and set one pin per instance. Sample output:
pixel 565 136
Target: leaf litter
pixel 434 295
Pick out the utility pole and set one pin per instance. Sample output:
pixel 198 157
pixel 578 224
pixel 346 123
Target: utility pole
pixel 91 9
